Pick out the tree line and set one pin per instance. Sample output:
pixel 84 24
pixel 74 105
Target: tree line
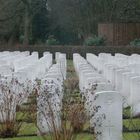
pixel 69 21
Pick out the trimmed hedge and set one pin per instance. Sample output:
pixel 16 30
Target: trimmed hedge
pixel 69 50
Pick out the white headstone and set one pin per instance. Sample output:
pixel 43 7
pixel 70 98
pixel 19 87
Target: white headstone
pixel 107 123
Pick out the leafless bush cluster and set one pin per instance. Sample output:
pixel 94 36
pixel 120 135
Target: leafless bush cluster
pixel 12 94
pixel 65 119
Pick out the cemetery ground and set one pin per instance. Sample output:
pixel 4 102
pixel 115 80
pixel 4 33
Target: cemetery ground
pixel 28 131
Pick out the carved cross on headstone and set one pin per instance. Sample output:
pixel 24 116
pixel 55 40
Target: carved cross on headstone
pixel 109 126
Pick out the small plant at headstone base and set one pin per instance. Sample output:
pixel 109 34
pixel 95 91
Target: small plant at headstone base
pixel 70 70
pixel 135 42
pixel 12 95
pixel 74 105
pixel 130 126
pixel 52 40
pixel 77 117
pixel 94 41
pixel 71 85
pixel 74 102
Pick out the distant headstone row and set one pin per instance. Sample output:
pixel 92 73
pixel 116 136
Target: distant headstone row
pixel 21 74
pixel 101 99
pixel 123 72
pixel 18 74
pixel 51 95
pixel 107 84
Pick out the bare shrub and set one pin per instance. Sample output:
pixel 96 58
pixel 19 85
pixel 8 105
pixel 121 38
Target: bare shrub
pixel 12 93
pixel 68 110
pixel 71 85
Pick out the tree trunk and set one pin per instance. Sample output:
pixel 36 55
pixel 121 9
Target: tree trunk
pixel 26 28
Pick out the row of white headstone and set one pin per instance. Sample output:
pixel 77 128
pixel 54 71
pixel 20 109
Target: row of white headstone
pixel 18 71
pixel 102 101
pixel 103 81
pixel 49 102
pixel 123 72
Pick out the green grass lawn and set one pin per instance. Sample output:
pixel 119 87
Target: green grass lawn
pixel 81 136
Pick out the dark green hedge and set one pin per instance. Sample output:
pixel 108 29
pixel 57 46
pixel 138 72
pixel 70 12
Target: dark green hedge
pixel 69 50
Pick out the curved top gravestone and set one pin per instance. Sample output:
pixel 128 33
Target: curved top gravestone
pixel 107 117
